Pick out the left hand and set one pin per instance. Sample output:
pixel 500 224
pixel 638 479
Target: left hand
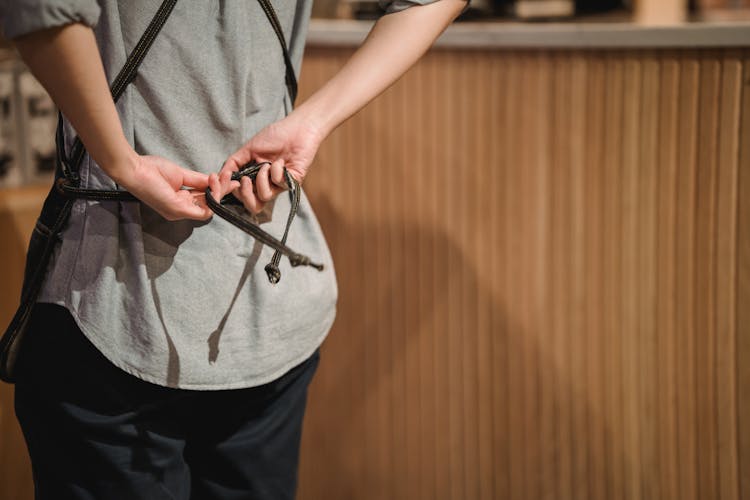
pixel 291 142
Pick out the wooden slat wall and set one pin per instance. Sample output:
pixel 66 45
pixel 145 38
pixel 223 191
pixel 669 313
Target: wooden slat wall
pixel 544 269
pixel 543 259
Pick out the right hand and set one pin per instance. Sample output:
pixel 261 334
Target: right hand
pixel 159 183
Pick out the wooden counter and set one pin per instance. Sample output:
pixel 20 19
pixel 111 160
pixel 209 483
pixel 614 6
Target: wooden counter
pixel 583 35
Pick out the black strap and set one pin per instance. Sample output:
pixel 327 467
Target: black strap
pixel 272 269
pixel 57 209
pixel 291 79
pixel 123 78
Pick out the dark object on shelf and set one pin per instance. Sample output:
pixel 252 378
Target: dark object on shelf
pixel 44 163
pixel 364 10
pixel 541 10
pixel 480 9
pixel 5 164
pixel 598 6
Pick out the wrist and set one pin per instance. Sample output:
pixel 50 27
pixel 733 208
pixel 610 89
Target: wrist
pixel 122 166
pixel 313 118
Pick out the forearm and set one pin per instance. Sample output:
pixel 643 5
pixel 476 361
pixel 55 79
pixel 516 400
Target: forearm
pixel 395 43
pixel 66 61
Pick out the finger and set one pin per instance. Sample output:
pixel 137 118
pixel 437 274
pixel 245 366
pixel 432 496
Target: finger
pixel 265 190
pixel 251 202
pixel 240 157
pixel 199 200
pixel 277 174
pixel 216 189
pixel 263 184
pixel 225 176
pixel 227 169
pixel 193 179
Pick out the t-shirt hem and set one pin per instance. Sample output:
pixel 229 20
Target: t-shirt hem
pixel 128 368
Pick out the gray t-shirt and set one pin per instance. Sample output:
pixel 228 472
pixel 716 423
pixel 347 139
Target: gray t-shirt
pixel 188 304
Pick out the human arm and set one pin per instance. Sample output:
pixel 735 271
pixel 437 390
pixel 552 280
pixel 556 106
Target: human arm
pixel 66 60
pixel 394 44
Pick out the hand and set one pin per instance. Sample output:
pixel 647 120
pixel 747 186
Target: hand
pixel 159 183
pixel 291 142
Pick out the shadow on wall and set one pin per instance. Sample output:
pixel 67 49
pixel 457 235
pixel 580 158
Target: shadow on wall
pixel 428 388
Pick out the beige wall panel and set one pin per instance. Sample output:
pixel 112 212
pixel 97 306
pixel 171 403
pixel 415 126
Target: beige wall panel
pixel 726 275
pixel 553 323
pixel 743 284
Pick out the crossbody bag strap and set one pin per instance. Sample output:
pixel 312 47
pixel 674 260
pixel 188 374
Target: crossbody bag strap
pixel 124 77
pixel 291 79
pixel 59 208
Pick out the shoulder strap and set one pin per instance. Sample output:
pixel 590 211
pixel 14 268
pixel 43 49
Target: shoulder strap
pixel 124 77
pixel 291 79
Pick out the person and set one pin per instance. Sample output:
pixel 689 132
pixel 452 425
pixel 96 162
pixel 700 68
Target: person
pixel 159 362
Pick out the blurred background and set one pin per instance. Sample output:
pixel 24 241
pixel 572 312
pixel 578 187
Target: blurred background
pixel 542 239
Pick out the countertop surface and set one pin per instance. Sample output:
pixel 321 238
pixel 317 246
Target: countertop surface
pixel 594 35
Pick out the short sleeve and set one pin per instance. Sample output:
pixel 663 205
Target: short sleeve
pixel 19 17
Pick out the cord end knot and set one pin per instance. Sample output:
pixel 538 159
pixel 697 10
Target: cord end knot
pixel 273 272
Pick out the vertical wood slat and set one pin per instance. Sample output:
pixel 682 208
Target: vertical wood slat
pixel 560 238
pixel 667 334
pixel 593 282
pixel 578 378
pixel 544 281
pixel 515 429
pixel 629 284
pixel 685 277
pixel 483 252
pixel 525 233
pixel 497 266
pixel 705 299
pixel 612 291
pixel 648 169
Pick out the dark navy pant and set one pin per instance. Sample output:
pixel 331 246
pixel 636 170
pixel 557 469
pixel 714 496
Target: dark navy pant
pixel 96 432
